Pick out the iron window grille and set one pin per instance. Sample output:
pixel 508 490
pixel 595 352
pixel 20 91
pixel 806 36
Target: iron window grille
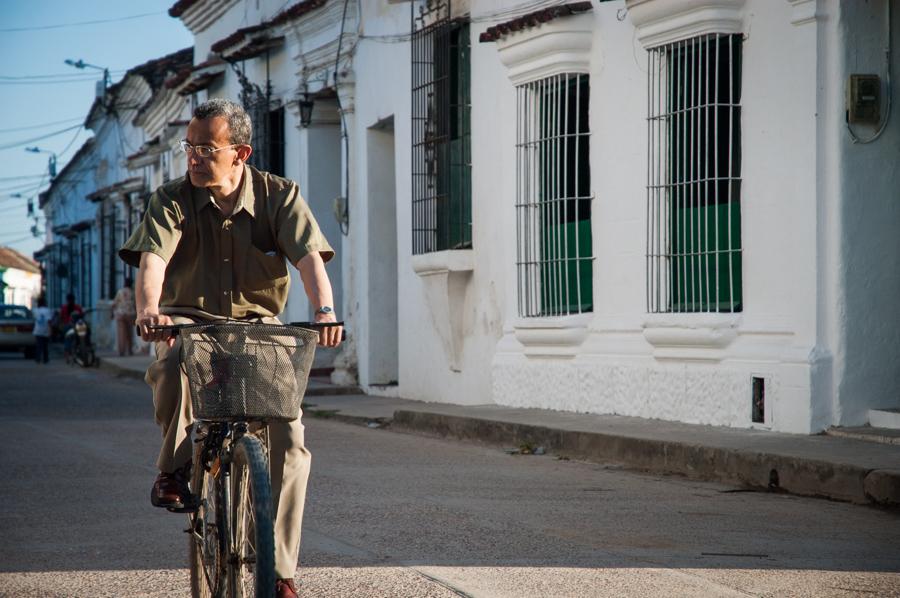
pixel 553 191
pixel 694 176
pixel 441 131
pixel 267 121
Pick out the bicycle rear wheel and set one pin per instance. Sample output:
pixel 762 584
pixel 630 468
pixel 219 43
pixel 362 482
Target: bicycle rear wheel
pixel 252 571
pixel 207 538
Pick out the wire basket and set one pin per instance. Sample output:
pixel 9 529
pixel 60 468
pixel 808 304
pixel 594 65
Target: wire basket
pixel 247 372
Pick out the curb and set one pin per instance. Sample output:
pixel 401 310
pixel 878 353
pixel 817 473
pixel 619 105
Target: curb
pixel 119 371
pixel 766 471
pixel 332 391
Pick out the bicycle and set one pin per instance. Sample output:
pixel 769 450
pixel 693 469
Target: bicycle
pixel 232 368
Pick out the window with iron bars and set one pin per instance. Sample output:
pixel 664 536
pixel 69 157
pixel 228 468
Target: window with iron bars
pixel 267 122
pixel 441 133
pixel 268 138
pixel 553 208
pixel 694 176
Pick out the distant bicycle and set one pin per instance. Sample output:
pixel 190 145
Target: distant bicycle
pixel 242 375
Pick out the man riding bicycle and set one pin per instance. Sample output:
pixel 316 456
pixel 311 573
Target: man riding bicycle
pixel 212 245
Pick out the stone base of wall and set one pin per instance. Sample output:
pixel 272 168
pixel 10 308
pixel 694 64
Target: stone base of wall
pixel 717 394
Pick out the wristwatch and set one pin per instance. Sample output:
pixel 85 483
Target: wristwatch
pixel 325 309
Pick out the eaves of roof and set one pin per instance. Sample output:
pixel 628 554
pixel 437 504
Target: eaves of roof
pixel 10 258
pixel 256 36
pixel 533 19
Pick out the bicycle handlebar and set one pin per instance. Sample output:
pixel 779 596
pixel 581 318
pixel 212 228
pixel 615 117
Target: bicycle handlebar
pixel 175 328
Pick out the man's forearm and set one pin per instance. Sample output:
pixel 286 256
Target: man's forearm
pixel 149 283
pixel 318 290
pixel 315 280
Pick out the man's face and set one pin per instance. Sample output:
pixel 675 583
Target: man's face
pixel 213 170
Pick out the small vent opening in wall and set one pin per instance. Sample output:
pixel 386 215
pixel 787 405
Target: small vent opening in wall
pixel 759 400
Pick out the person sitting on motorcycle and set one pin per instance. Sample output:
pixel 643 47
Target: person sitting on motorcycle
pixel 66 312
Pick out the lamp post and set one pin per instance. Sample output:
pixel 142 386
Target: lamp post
pixel 51 162
pixel 80 64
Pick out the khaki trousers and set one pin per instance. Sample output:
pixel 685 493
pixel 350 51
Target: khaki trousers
pixel 289 461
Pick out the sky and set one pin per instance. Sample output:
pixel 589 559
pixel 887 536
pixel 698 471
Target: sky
pixel 42 97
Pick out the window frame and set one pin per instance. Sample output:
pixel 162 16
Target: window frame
pixel 441 168
pixel 694 247
pixel 554 197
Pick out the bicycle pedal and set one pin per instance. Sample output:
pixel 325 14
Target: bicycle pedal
pixel 184 509
pixel 189 507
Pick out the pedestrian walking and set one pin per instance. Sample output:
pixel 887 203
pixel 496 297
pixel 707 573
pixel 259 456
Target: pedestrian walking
pixel 42 317
pixel 123 311
pixel 212 245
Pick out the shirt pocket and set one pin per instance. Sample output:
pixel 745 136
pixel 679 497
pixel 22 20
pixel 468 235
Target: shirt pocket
pixel 264 271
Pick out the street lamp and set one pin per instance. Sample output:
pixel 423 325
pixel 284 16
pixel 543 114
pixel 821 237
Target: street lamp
pixel 102 86
pixel 51 163
pixel 306 110
pixel 80 64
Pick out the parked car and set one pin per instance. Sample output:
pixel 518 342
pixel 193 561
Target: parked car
pixel 16 327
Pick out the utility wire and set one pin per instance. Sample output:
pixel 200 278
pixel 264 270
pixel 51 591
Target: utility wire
pixel 77 133
pixel 50 82
pixel 19 240
pixel 88 75
pixel 79 24
pixel 21 176
pixel 33 139
pixel 50 124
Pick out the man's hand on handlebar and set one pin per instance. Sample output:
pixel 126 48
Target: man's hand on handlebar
pixel 147 319
pixel 329 336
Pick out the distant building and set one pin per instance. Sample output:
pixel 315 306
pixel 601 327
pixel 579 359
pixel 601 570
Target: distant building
pixel 20 278
pixel 99 197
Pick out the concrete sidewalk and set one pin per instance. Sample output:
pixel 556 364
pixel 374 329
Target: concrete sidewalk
pixel 839 468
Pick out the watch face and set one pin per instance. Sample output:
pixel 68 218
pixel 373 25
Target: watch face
pixel 324 310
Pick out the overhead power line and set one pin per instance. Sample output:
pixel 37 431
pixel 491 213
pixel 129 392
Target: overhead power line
pixel 19 240
pixel 33 139
pixel 50 124
pixel 79 24
pixel 20 177
pixel 50 81
pixel 68 75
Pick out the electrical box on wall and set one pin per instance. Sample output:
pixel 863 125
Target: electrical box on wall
pixel 864 99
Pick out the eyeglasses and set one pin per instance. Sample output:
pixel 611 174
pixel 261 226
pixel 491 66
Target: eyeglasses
pixel 203 151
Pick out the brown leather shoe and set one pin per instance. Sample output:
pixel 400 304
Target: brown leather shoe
pixel 285 588
pixel 171 490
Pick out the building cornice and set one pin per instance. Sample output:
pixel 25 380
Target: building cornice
pixel 198 15
pixel 660 22
pixel 559 46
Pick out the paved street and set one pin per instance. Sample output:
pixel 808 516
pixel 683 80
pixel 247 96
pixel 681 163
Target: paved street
pixel 392 514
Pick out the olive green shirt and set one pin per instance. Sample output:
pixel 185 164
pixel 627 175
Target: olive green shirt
pixel 227 266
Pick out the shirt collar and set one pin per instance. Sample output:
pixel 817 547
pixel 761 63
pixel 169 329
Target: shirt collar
pixel 245 198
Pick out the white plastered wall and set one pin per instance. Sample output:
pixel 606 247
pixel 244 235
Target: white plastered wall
pixel 676 366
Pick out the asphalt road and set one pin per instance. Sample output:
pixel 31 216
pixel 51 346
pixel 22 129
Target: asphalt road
pixel 398 515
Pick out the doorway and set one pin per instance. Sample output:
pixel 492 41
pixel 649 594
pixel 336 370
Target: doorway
pixel 383 345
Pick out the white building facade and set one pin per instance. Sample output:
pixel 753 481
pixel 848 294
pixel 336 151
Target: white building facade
pixel 657 208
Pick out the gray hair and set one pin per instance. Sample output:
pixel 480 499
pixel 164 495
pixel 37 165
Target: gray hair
pixel 239 125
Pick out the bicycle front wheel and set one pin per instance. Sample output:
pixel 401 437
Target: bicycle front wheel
pixel 253 566
pixel 207 533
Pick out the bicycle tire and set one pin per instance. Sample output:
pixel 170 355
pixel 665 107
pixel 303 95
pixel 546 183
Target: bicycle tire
pixel 253 568
pixel 207 537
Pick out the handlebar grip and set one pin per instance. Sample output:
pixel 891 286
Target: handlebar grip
pixel 172 329
pixel 314 325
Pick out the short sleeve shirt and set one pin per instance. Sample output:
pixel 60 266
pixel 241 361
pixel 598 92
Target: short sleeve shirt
pixel 232 266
